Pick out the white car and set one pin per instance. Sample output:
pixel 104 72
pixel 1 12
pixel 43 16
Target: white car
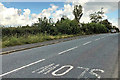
pixel 113 31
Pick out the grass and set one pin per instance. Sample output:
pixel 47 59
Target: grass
pixel 14 40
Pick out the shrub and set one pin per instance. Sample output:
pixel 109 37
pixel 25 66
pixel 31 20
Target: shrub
pixel 68 27
pixel 92 28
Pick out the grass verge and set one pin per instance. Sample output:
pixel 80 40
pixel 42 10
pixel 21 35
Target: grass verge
pixel 29 39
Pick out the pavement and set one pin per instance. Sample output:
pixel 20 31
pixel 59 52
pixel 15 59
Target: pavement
pixel 89 57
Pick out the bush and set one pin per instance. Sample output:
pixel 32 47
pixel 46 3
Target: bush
pixel 68 27
pixel 20 31
pixel 92 28
pixel 43 31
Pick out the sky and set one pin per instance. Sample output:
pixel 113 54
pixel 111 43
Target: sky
pixel 27 13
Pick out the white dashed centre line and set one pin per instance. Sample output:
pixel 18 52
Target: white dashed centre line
pixel 68 50
pixel 97 39
pixel 87 43
pixel 21 68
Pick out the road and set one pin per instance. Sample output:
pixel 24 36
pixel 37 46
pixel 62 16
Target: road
pixel 90 57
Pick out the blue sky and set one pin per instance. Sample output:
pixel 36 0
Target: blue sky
pixel 37 8
pixel 113 15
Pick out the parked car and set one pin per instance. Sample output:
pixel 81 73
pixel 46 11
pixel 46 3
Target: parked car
pixel 113 31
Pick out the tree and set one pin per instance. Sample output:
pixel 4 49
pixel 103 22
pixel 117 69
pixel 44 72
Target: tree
pixel 91 28
pixel 77 12
pixel 51 21
pixel 94 17
pixel 97 16
pixel 117 29
pixel 64 17
pixel 107 24
pixel 67 26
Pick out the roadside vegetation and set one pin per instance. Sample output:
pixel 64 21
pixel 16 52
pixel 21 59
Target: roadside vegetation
pixel 21 40
pixel 45 29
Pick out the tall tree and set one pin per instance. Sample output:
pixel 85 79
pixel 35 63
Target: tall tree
pixel 77 12
pixel 97 16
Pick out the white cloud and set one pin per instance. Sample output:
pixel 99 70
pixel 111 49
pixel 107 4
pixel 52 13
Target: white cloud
pixel 88 8
pixel 48 12
pixel 108 7
pixel 26 12
pixel 57 15
pixel 67 10
pixel 14 17
pixel 114 22
pixel 10 16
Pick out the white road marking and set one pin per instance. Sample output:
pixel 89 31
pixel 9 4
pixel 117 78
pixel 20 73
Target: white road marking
pixel 45 67
pixel 61 74
pixel 52 68
pixel 48 68
pixel 83 73
pixel 92 72
pixel 97 39
pixel 87 43
pixel 95 74
pixel 21 67
pixel 68 50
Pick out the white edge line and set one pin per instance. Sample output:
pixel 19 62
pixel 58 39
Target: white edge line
pixel 67 50
pixel 4 74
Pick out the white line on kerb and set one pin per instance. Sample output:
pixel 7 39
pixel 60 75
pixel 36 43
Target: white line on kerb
pixel 87 43
pixel 68 50
pixel 21 67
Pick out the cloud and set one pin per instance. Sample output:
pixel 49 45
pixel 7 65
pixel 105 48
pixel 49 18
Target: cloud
pixel 66 10
pixel 26 12
pixel 114 22
pixel 14 17
pixel 108 7
pixel 92 7
pixel 11 16
pixel 88 8
pixel 48 12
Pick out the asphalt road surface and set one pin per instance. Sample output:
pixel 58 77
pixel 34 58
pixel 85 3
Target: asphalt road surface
pixel 90 57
